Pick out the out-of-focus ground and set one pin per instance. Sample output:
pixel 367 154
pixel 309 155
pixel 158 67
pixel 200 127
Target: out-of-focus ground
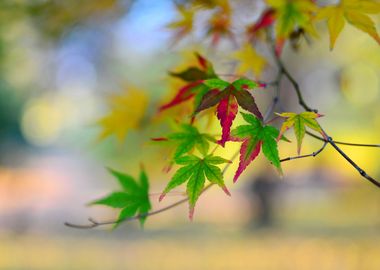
pixel 55 75
pixel 196 248
pixel 315 226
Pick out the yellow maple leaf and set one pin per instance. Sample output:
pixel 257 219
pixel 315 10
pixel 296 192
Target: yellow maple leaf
pixel 249 60
pixel 126 112
pixel 184 25
pixel 354 12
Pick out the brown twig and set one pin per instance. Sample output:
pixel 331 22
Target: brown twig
pixel 329 140
pixel 285 72
pixel 94 223
pixel 305 156
pixel 343 143
pixel 276 98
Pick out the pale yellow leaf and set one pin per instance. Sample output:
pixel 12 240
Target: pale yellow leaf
pixel 365 6
pixel 126 112
pixel 362 22
pixel 354 12
pixel 249 60
pixel 286 114
pixel 325 13
pixel 184 25
pixel 335 23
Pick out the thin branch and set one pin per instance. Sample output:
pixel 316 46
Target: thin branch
pixel 272 120
pixel 359 169
pixel 276 98
pixel 302 102
pixel 94 223
pixel 284 71
pixel 272 83
pixel 343 143
pixel 305 156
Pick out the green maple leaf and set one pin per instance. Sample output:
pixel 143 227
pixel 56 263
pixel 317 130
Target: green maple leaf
pixel 256 136
pixel 291 15
pixel 299 122
pixel 195 170
pixel 132 199
pixel 187 139
pixel 191 74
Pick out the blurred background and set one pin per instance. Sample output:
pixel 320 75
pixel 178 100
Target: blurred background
pixel 62 66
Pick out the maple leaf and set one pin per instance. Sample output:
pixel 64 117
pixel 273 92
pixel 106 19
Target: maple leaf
pixel 352 11
pixel 132 199
pixel 290 17
pixel 228 96
pixel 184 25
pixel 255 136
pixel 249 60
pixel 193 73
pixel 220 22
pixel 299 122
pixel 187 139
pixel 266 20
pixel 194 77
pixel 126 112
pixel 185 93
pixel 195 170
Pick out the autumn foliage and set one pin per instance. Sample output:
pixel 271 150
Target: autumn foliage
pixel 225 96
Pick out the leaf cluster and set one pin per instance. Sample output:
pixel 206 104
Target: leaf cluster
pixel 290 20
